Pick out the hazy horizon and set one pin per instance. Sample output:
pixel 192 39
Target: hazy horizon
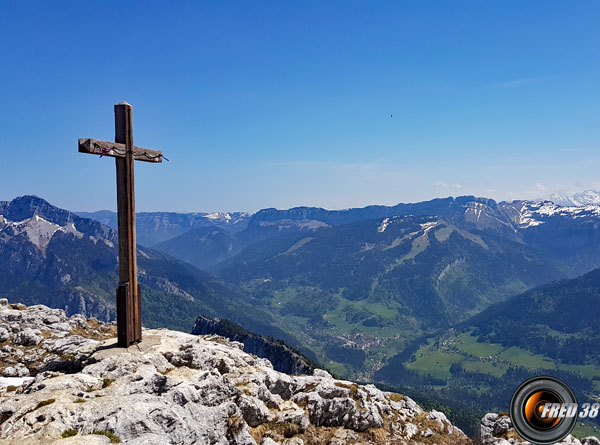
pixel 114 210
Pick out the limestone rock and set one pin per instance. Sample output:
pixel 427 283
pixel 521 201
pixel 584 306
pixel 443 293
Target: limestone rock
pixel 19 370
pixel 27 337
pixel 4 334
pixel 177 388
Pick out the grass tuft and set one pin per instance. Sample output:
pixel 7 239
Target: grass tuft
pixel 274 430
pixel 109 434
pixel 395 397
pixel 68 433
pixel 44 403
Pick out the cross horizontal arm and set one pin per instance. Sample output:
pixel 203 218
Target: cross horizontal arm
pixel 116 150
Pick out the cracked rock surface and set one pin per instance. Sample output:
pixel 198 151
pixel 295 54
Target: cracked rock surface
pixel 74 386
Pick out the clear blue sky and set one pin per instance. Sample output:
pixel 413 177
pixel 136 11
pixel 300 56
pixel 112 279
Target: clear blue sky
pixel 279 103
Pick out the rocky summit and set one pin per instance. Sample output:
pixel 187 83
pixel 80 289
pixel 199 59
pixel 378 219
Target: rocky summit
pixel 66 382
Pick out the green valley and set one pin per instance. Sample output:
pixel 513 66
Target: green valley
pixel 547 330
pixel 359 293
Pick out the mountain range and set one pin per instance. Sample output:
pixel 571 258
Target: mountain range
pixel 565 233
pixel 55 257
pixel 379 292
pixel 155 227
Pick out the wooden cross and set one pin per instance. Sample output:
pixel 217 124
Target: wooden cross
pixel 129 308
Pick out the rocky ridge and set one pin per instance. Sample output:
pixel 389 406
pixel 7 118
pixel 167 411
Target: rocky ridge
pixel 73 385
pixel 282 357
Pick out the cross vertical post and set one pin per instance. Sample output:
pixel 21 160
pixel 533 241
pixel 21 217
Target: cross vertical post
pixel 129 299
pixel 128 295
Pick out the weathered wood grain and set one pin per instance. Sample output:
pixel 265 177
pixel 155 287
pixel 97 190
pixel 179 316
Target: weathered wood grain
pixel 117 150
pixel 126 216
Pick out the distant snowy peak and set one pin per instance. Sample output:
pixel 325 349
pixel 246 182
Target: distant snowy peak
pixel 527 214
pixel 227 218
pixel 588 197
pixel 218 215
pixel 548 208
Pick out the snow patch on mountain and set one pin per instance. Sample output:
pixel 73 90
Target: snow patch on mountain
pixel 548 208
pixel 384 224
pixel 476 208
pixel 426 227
pixel 106 241
pixel 227 218
pixel 526 217
pixel 219 216
pixel 526 222
pixel 526 214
